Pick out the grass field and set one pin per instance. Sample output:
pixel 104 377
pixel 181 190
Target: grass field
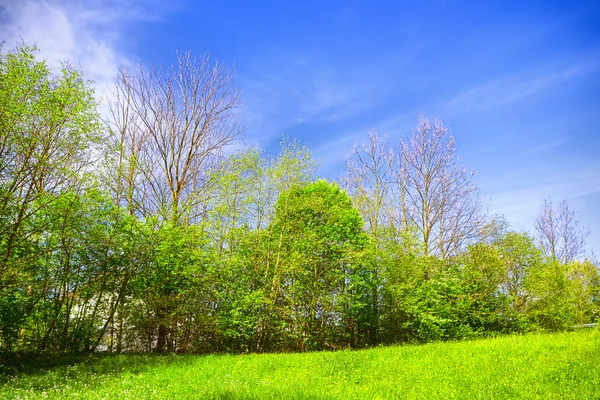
pixel 558 366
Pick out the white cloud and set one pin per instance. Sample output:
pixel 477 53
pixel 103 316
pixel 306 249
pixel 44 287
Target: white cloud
pixel 85 34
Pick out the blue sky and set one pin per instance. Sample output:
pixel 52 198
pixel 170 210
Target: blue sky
pixel 518 82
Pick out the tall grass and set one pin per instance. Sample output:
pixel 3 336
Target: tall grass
pixel 557 366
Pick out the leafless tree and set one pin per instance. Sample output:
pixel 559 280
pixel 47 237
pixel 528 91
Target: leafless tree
pixel 369 177
pixel 171 124
pixel 559 232
pixel 442 200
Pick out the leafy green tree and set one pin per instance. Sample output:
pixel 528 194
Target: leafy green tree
pixel 564 295
pixel 49 127
pixel 483 276
pixel 48 124
pixel 520 257
pixel 401 273
pixel 237 235
pixel 585 290
pixel 550 305
pixel 319 274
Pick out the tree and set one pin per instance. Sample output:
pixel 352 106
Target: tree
pixel 320 280
pixel 585 290
pixel 179 120
pixel 484 275
pixel 551 304
pixel 442 201
pixel 48 130
pixel 48 126
pixel 559 233
pixel 170 126
pixel 520 257
pixel 369 177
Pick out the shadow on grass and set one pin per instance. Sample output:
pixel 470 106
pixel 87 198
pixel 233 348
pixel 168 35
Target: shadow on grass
pixel 33 367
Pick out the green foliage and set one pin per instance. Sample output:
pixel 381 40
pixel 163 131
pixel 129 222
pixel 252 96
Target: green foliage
pixel 564 295
pixel 584 285
pixel 520 257
pixel 318 271
pixel 48 126
pixel 484 275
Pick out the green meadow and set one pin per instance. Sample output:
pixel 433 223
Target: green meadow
pixel 535 366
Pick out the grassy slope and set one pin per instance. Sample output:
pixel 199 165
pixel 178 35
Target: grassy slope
pixel 535 366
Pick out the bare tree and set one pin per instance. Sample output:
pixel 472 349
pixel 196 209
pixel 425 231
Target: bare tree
pixel 369 177
pixel 172 124
pixel 559 232
pixel 442 200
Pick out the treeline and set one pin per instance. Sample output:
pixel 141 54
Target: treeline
pixel 147 232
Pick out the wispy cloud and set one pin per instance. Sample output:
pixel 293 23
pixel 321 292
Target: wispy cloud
pixel 512 89
pixel 284 90
pixel 497 92
pixel 548 144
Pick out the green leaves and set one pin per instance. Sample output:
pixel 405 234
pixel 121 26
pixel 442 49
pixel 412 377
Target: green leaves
pixel 320 265
pixel 48 231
